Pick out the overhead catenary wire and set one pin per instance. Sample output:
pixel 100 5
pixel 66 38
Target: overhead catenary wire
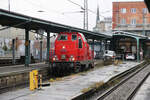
pixel 41 7
pixel 84 9
pixel 76 4
pixel 44 9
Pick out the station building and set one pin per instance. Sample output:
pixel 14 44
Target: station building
pixel 131 16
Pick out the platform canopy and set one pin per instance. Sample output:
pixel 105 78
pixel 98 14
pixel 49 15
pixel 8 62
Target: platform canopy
pixel 137 37
pixel 16 20
pixel 128 34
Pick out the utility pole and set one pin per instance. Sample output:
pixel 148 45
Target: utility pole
pixel 8 5
pixel 85 26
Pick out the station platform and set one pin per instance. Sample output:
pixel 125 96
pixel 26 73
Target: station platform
pixel 69 86
pixel 18 75
pixel 12 76
pixel 15 69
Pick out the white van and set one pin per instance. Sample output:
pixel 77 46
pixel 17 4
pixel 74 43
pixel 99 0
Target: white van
pixel 109 54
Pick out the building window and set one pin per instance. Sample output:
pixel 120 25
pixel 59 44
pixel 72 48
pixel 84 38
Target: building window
pixel 133 10
pixel 133 21
pixel 123 21
pixel 145 11
pixel 123 10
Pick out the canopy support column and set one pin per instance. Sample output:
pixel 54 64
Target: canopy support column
pixel 13 51
pixel 93 47
pixel 48 46
pixel 138 51
pixel 27 47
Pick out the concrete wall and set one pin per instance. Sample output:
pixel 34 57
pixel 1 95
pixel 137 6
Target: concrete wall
pixel 13 80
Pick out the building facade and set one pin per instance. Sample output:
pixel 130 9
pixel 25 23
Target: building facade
pixel 131 17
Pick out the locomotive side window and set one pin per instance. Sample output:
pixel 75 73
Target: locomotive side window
pixel 80 43
pixel 74 37
pixel 83 37
pixel 62 37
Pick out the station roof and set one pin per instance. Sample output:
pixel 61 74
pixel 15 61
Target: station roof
pixel 147 2
pixel 17 20
pixel 127 34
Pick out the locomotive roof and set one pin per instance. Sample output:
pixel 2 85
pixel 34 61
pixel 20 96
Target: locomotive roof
pixel 17 20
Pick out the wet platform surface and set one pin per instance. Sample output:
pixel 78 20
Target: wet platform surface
pixel 20 68
pixel 144 91
pixel 69 86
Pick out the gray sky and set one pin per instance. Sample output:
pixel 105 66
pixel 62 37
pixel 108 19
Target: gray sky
pixel 56 10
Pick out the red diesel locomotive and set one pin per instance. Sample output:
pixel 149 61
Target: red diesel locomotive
pixel 72 52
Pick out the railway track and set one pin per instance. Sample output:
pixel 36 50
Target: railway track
pixel 127 88
pixel 7 61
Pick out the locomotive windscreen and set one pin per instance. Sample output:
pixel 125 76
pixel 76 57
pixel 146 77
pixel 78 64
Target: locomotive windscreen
pixel 63 37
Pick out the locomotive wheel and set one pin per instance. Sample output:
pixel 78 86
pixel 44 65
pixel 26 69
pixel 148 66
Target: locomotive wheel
pixel 68 71
pixel 54 71
pixel 87 66
pixel 92 65
pixel 82 68
pixel 76 69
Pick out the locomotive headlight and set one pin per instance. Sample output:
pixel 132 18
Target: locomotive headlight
pixel 72 58
pixel 55 58
pixel 63 47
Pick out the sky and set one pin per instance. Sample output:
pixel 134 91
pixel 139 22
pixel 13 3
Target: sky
pixel 61 11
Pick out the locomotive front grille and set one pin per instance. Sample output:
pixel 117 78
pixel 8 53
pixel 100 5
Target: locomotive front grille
pixel 63 56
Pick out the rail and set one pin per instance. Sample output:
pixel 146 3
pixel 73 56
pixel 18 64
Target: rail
pixel 110 93
pixel 109 84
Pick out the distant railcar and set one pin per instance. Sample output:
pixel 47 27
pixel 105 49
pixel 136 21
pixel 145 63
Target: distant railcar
pixel 71 53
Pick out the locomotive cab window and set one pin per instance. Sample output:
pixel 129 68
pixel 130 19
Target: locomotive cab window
pixel 80 43
pixel 83 37
pixel 74 37
pixel 62 37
